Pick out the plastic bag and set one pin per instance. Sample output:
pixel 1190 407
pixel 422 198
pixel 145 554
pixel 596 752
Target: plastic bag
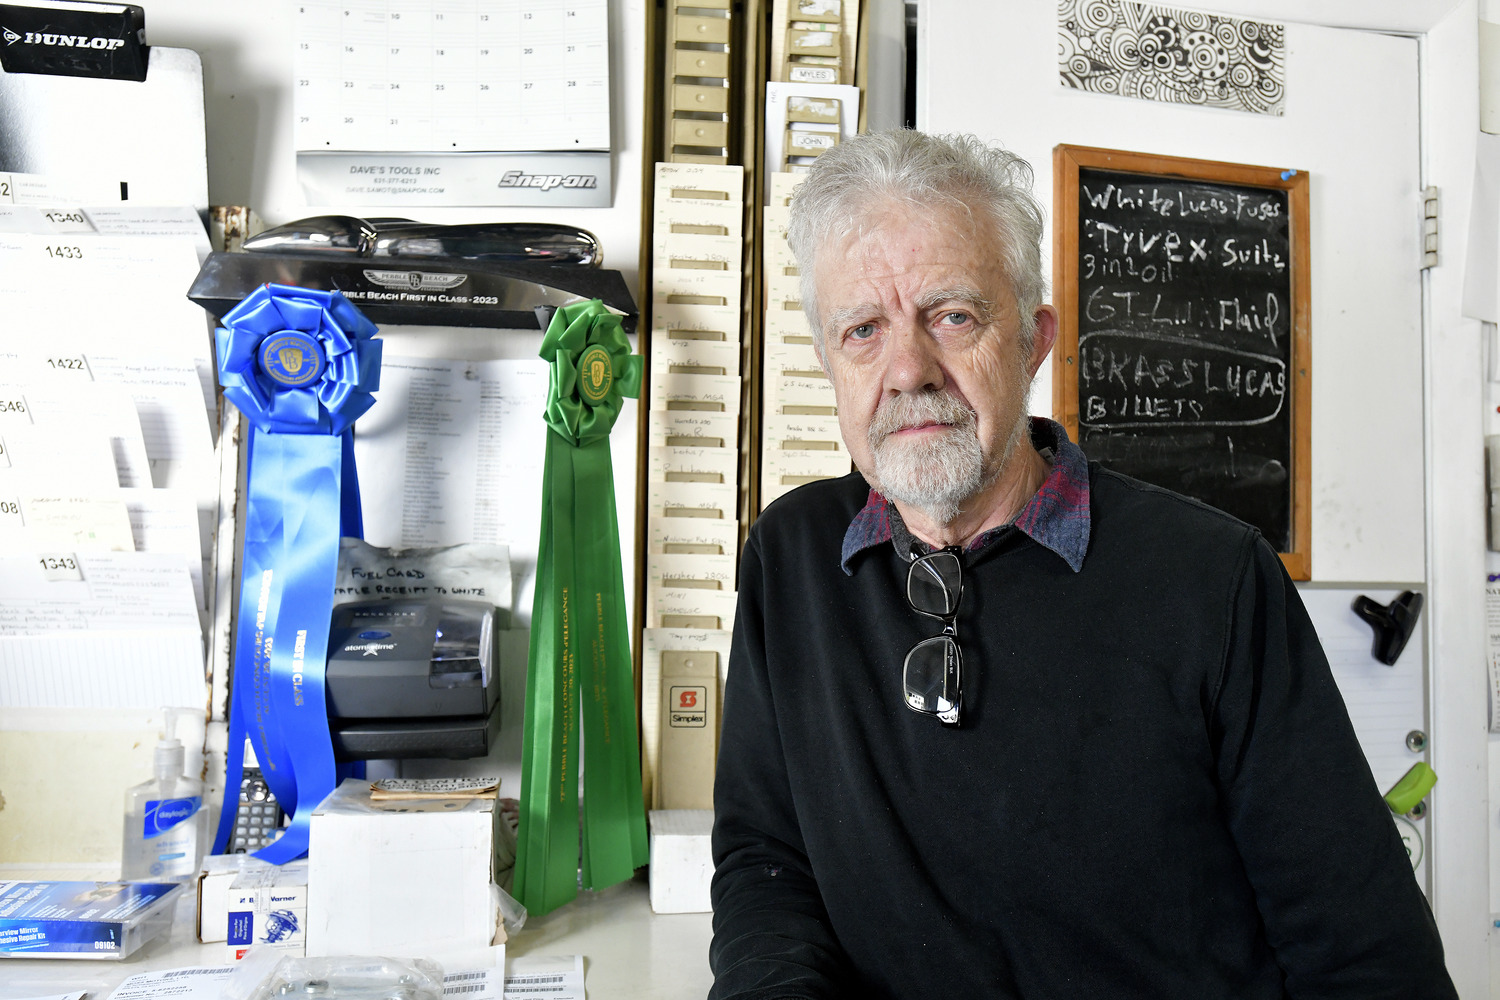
pixel 272 974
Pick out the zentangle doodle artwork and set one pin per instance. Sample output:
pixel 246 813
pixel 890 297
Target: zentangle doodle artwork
pixel 1177 56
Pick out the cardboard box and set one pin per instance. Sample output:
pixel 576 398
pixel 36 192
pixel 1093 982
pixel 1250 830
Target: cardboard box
pixel 682 861
pixel 400 877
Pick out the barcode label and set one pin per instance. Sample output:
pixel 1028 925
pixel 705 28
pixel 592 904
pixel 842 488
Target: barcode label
pixel 531 980
pixel 460 977
pixel 449 991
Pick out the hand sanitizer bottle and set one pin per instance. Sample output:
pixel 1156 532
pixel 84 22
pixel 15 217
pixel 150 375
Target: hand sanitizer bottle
pixel 166 822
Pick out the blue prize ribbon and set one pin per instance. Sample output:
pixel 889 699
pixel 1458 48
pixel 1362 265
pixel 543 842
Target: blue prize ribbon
pixel 301 365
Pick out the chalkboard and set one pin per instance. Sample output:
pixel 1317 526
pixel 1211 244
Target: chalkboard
pixel 1182 357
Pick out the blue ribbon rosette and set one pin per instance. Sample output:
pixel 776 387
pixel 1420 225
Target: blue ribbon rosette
pixel 301 365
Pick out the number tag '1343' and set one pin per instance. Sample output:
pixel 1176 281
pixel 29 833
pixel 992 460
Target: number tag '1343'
pixel 59 566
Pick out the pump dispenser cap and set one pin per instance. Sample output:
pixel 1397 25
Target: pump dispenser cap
pixel 169 758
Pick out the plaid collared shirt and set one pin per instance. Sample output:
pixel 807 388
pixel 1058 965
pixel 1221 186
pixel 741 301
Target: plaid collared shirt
pixel 1057 515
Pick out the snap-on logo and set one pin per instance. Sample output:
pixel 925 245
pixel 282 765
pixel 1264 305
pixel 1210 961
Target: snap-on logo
pixel 520 179
pixel 64 41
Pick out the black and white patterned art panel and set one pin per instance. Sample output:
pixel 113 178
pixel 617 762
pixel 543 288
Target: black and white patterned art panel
pixel 1178 56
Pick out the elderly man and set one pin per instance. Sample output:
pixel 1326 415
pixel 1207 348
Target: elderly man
pixel 1002 723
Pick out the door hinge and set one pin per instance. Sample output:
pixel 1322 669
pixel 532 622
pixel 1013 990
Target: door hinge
pixel 1429 227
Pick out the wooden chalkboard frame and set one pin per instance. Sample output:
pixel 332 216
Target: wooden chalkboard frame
pixel 1067 160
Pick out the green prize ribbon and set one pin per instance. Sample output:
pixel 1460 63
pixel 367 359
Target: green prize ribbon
pixel 580 652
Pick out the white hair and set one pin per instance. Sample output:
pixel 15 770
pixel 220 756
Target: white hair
pixel 991 185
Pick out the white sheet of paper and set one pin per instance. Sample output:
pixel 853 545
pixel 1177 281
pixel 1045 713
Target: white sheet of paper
pixel 110 295
pixel 556 977
pixel 86 407
pixel 123 219
pixel 151 220
pixel 62 523
pixel 166 521
pixel 180 984
pixel 37 458
pixel 119 591
pixel 452 452
pixel 174 422
pixel 475 572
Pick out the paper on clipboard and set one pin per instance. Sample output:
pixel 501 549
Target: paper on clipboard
pixel 799 390
pixel 695 251
pixel 694 465
pixel 696 321
pixel 694 428
pixel 704 357
pixel 707 500
pixel 714 393
pixel 693 608
pixel 789 326
pixel 694 534
pixel 784 357
pixel 685 286
pixel 691 571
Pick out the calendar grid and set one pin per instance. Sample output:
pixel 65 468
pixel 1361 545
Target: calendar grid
pixel 451 75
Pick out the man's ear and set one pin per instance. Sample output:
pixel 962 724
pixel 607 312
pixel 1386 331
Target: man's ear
pixel 1043 338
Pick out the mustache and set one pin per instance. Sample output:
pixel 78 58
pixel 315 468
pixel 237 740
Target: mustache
pixel 910 409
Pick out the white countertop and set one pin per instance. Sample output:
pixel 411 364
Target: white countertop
pixel 628 951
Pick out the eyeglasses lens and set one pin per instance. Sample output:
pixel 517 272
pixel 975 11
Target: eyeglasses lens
pixel 934 584
pixel 932 677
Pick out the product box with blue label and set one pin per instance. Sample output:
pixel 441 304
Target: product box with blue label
pixel 268 907
pixel 109 920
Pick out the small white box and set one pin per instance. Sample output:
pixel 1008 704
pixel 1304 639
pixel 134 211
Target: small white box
pixel 222 871
pixel 268 907
pixel 400 877
pixel 682 860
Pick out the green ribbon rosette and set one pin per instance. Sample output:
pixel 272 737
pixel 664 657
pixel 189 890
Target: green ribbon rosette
pixel 579 663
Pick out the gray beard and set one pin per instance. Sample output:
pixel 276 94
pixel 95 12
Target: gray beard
pixel 935 477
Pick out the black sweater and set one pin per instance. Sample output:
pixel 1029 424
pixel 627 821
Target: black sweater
pixel 1156 791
